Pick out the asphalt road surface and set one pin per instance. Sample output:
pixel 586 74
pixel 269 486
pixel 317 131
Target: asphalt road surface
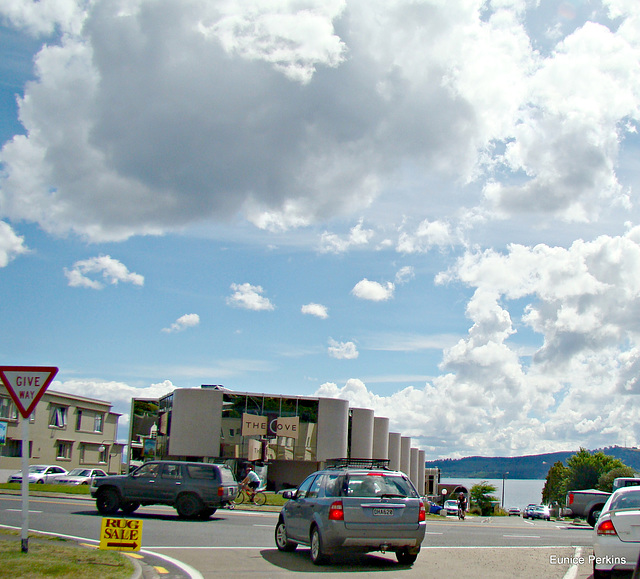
pixel 240 544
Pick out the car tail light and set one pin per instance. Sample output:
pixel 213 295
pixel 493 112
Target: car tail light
pixel 606 528
pixel 422 515
pixel 570 501
pixel 220 491
pixel 335 511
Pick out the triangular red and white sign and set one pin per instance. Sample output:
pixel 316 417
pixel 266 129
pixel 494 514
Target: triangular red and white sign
pixel 27 384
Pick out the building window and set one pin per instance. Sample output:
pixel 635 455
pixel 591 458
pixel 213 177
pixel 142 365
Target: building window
pixel 98 422
pixel 64 449
pixel 12 448
pixel 78 419
pixel 58 417
pixel 8 409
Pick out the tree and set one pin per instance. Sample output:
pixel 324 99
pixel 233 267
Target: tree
pixel 605 482
pixel 555 486
pixel 585 468
pixel 481 496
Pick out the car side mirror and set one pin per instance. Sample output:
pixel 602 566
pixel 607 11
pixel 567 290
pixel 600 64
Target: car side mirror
pixel 289 494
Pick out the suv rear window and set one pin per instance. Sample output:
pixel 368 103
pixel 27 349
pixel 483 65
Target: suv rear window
pixel 377 485
pixel 201 471
pixel 226 475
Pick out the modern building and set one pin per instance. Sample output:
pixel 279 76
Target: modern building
pixel 287 437
pixel 64 429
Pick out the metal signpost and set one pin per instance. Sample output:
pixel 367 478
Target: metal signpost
pixel 26 385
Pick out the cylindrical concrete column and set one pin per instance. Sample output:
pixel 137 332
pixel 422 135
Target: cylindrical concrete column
pixel 405 454
pixel 333 428
pixel 413 466
pixel 380 437
pixel 394 450
pixel 361 433
pixel 422 456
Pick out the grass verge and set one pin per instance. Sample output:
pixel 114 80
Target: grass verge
pixel 67 489
pixel 60 558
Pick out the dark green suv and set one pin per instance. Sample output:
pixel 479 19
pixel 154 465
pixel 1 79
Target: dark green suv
pixel 195 489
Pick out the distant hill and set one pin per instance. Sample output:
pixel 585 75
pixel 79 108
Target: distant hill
pixel 521 467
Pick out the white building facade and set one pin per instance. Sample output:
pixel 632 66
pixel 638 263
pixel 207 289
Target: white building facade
pixel 292 436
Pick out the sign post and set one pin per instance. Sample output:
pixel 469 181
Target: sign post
pixel 26 385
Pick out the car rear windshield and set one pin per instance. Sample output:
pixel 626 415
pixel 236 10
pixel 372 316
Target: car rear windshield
pixel 378 485
pixel 625 501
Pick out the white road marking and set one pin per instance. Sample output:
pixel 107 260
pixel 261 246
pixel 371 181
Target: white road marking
pixel 572 571
pixel 20 510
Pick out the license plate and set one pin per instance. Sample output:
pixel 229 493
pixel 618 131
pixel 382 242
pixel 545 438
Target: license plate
pixel 383 512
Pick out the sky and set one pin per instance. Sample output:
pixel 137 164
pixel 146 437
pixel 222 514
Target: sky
pixel 427 207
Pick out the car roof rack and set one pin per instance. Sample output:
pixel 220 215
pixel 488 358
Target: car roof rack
pixel 382 463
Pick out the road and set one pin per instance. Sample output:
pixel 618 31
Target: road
pixel 240 543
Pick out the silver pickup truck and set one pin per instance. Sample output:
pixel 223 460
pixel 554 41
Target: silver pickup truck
pixel 588 503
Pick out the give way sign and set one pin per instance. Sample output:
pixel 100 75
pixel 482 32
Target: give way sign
pixel 27 384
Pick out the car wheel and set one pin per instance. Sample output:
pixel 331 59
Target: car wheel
pixel 40 482
pixel 205 513
pixel 188 506
pixel 318 556
pixel 592 519
pixel 282 541
pixel 129 507
pixel 405 557
pixel 108 502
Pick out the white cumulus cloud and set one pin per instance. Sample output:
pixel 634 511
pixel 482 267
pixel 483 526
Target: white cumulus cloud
pixel 342 350
pixel 111 270
pixel 317 310
pixel 182 323
pixel 11 244
pixel 373 291
pixel 249 297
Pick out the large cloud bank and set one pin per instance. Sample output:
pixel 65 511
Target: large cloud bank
pixel 146 117
pixel 578 388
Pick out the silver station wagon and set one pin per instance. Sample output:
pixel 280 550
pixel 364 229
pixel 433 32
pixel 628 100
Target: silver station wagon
pixel 353 508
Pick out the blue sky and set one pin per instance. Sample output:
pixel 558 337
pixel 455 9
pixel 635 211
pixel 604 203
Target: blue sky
pixel 427 208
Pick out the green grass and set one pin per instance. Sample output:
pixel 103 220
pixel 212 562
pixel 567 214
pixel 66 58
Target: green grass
pixel 59 558
pixel 69 489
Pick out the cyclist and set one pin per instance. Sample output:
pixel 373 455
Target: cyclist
pixel 462 505
pixel 250 483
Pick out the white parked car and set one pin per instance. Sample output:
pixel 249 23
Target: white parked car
pixel 40 473
pixel 616 534
pixel 80 476
pixel 451 507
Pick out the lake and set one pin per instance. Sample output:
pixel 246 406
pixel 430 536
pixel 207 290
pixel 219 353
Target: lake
pixel 517 492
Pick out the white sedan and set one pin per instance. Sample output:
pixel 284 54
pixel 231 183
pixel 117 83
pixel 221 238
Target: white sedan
pixel 81 476
pixel 40 473
pixel 616 535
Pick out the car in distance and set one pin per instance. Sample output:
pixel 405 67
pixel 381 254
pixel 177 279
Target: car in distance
pixel 528 511
pixel 80 476
pixel 434 509
pixel 195 489
pixel 40 474
pixel 353 506
pixel 514 512
pixel 541 512
pixel 616 535
pixel 451 507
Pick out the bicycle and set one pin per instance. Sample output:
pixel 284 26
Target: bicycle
pixel 259 498
pixel 460 514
